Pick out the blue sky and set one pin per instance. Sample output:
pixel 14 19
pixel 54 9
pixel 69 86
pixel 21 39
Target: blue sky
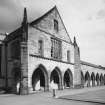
pixel 84 19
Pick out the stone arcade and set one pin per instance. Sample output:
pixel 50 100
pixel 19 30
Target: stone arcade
pixel 41 52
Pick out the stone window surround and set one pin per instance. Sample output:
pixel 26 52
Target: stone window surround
pixel 40 47
pixel 68 55
pixel 56 25
pixel 56 48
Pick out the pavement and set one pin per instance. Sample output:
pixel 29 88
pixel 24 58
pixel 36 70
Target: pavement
pixel 92 95
pixel 65 97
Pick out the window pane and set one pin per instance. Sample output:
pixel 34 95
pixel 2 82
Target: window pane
pixel 55 48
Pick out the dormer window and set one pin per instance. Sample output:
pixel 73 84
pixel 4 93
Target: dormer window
pixel 56 28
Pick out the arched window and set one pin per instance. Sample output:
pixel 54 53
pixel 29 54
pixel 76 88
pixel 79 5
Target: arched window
pixel 40 47
pixel 68 56
pixel 56 28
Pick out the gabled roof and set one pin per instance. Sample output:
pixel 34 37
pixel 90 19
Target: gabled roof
pixel 38 19
pixel 92 65
pixel 54 8
pixel 14 34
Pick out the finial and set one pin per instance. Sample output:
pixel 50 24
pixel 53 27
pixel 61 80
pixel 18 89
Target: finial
pixel 78 51
pixel 25 26
pixel 75 43
pixel 25 17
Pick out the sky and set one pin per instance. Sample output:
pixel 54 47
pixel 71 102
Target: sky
pixel 84 19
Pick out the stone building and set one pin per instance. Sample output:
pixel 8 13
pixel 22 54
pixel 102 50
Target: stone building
pixel 2 37
pixel 40 53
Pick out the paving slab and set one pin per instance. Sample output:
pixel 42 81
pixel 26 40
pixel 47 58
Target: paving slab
pixel 45 98
pixel 96 96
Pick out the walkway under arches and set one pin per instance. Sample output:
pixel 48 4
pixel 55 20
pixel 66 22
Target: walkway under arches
pixel 82 79
pixel 56 77
pixel 104 79
pixel 68 79
pixel 93 79
pixel 40 79
pixel 87 79
pixel 98 79
pixel 101 79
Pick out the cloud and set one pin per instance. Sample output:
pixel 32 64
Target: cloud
pixel 89 18
pixel 79 16
pixel 100 14
pixel 11 12
pixel 103 1
pixel 12 5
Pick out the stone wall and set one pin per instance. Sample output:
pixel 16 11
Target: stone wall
pixel 50 65
pixel 46 23
pixel 90 69
pixel 36 34
pixel 92 72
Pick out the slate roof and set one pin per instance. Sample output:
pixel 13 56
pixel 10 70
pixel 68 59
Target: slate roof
pixel 14 34
pixel 54 8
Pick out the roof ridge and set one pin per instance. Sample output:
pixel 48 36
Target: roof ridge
pixel 55 7
pixel 34 21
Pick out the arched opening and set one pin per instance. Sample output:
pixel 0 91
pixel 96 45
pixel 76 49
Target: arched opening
pixel 104 79
pixel 97 79
pixel 82 79
pixel 56 77
pixel 68 79
pixel 87 79
pixel 40 79
pixel 101 79
pixel 93 79
pixel 16 73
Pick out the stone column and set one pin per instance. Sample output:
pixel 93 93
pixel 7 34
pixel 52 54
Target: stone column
pixel 46 87
pixel 61 83
pixel 46 84
pixel 24 68
pixel 60 86
pixel 77 67
pixel 4 64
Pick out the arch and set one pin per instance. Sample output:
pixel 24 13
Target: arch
pixel 97 79
pixel 87 79
pixel 56 77
pixel 40 79
pixel 93 79
pixel 104 79
pixel 82 79
pixel 101 79
pixel 68 78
